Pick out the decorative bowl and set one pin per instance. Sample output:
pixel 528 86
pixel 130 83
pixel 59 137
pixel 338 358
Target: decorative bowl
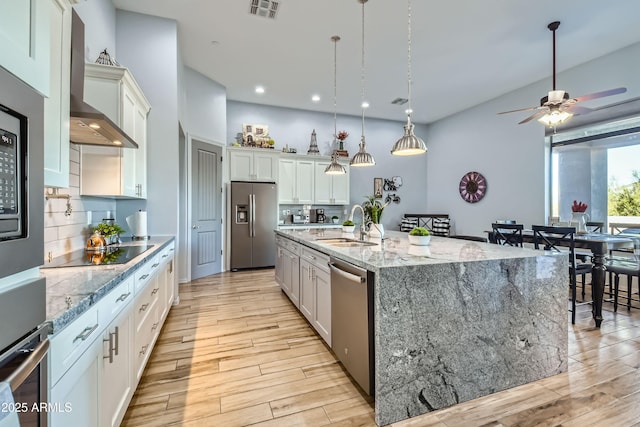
pixel 419 240
pixel 348 228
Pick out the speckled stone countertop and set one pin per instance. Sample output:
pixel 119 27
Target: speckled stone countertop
pixel 395 250
pixel 72 290
pixel 456 320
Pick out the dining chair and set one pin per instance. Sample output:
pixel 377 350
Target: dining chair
pixel 628 266
pixel 562 239
pixel 506 234
pixel 585 255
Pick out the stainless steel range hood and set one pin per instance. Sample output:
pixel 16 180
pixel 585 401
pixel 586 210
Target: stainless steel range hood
pixel 87 125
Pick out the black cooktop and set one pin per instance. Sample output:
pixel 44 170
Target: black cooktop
pixel 112 255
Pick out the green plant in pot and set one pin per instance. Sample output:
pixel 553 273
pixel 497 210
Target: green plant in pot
pixel 348 226
pixel 419 236
pixel 110 232
pixel 373 209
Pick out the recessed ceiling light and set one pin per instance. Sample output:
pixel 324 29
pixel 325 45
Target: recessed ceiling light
pixel 315 98
pixel 116 142
pixel 94 126
pixel 259 89
pixel 365 104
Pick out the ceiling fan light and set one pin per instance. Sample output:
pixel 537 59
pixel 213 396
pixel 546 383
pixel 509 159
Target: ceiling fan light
pixel 557 96
pixel 554 118
pixel 409 144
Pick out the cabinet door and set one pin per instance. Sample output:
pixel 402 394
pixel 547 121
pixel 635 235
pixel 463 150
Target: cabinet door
pixel 24 41
pixel 340 187
pixel 116 383
pixel 240 166
pixel 295 280
pixel 56 106
pixel 265 166
pixel 279 266
pixel 286 272
pixel 78 390
pixel 307 291
pixel 323 192
pixel 304 181
pixel 141 152
pixel 287 181
pixel 127 122
pixel 322 313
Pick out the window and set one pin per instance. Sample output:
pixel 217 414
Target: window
pixel 598 165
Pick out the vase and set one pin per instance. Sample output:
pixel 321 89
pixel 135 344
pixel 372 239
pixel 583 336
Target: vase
pixel 376 230
pixel 341 144
pixel 579 221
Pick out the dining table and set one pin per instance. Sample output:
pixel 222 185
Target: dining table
pixel 600 245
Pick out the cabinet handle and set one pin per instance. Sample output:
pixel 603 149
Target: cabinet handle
pixel 123 297
pixel 165 255
pixel 155 326
pixel 155 265
pixel 144 276
pixel 143 350
pixel 144 307
pixel 85 333
pixel 117 346
pixel 113 345
pixel 155 291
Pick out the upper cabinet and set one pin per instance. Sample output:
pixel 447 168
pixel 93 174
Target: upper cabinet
pixel 56 106
pixel 246 164
pixel 295 181
pixel 107 171
pixel 24 41
pixel 331 189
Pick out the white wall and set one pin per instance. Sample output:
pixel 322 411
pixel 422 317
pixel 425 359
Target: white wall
pixel 512 156
pixel 148 46
pixel 294 127
pixel 99 17
pixel 206 106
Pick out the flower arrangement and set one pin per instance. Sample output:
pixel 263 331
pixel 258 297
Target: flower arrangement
pixel 578 206
pixel 342 135
pixel 373 209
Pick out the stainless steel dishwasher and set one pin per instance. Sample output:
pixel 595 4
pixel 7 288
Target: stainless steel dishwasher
pixel 352 321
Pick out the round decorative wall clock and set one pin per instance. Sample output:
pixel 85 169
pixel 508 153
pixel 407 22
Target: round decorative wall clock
pixel 473 187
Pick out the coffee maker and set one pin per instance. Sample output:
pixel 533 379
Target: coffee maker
pixel 317 215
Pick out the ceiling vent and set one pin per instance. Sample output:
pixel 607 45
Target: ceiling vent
pixel 264 8
pixel 400 101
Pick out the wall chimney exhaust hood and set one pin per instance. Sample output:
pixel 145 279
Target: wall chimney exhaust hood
pixel 87 125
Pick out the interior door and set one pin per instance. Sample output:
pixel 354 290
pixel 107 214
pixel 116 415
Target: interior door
pixel 206 209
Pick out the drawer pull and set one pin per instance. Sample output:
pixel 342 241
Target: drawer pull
pixel 85 333
pixel 155 326
pixel 143 351
pixel 155 291
pixel 144 276
pixel 123 297
pixel 144 307
pixel 165 255
pixel 155 265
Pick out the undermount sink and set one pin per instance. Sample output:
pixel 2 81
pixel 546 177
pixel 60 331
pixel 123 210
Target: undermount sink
pixel 344 242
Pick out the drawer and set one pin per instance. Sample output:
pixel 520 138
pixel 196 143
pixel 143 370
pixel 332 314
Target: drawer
pixel 167 253
pixel 115 301
pixel 146 272
pixel 289 245
pixel 318 259
pixel 70 343
pixel 145 302
pixel 144 339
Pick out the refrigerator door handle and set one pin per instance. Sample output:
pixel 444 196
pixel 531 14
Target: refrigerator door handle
pixel 252 198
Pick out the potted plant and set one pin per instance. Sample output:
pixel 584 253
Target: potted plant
pixel 348 226
pixel 419 236
pixel 335 219
pixel 373 208
pixel 110 232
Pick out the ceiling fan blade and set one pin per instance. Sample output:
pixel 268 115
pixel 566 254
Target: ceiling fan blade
pixel 520 109
pixel 533 116
pixel 601 94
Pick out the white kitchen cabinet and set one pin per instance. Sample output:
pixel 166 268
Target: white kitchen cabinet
pixel 331 189
pixel 117 380
pixel 109 171
pixel 56 106
pixel 24 41
pixel 296 181
pixel 247 164
pixel 315 291
pixel 288 269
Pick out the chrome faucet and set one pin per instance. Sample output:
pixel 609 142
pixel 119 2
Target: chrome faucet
pixel 363 232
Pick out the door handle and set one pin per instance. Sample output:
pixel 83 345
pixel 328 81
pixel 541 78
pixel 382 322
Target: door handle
pixel 195 227
pixel 17 377
pixel 349 276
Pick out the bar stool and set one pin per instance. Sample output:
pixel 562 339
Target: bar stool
pixel 631 269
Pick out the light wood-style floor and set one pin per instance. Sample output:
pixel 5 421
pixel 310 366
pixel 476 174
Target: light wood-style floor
pixel 235 352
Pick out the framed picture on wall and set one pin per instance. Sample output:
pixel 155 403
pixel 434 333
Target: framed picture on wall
pixel 377 188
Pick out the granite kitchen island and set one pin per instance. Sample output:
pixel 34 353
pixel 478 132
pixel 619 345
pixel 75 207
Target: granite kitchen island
pixel 456 320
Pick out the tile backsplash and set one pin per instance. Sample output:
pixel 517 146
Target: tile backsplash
pixel 64 232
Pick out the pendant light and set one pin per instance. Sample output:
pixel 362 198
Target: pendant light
pixel 409 144
pixel 334 167
pixel 362 158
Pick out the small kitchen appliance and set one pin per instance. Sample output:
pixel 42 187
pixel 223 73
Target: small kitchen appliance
pixel 317 215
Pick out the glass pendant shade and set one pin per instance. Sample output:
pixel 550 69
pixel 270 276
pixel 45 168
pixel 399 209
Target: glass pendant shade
pixel 409 144
pixel 362 158
pixel 554 117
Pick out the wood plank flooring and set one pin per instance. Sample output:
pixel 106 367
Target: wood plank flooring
pixel 235 352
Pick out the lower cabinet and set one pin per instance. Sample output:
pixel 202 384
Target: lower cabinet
pixel 288 269
pixel 315 291
pixel 95 362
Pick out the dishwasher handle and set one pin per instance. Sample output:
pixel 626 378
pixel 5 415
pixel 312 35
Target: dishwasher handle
pixel 349 276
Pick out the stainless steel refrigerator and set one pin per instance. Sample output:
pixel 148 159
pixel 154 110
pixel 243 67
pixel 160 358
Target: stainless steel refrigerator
pixel 254 210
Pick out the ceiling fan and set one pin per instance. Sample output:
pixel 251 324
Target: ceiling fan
pixel 557 107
